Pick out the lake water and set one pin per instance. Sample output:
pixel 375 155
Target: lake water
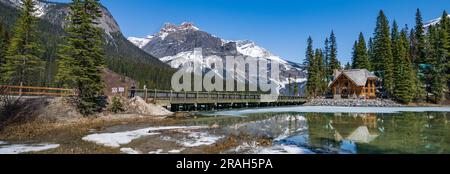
pixel 339 129
pixel 281 130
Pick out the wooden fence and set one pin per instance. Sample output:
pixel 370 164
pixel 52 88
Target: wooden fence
pixel 37 91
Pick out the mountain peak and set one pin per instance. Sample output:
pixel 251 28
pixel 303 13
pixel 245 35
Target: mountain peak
pixel 169 27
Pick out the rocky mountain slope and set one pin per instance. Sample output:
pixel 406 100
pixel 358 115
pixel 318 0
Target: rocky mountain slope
pixel 434 22
pixel 122 56
pixel 175 44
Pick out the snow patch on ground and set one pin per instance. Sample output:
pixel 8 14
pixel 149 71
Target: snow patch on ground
pixel 24 148
pixel 129 151
pixel 331 109
pixel 2 142
pixel 196 139
pixel 176 150
pixel 120 138
pixel 159 151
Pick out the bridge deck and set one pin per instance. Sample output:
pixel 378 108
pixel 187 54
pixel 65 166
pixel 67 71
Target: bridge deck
pixel 167 98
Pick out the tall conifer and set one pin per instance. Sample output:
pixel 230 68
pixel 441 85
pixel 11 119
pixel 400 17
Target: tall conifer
pixel 23 64
pixel 334 62
pixel 82 57
pixel 311 68
pixel 382 53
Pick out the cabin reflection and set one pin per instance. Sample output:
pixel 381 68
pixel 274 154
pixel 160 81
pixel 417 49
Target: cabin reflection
pixel 342 131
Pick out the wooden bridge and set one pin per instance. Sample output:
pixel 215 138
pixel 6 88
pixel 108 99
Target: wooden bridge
pixel 183 101
pixel 175 101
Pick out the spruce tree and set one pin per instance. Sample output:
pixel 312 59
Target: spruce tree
pixel 22 64
pixel 334 62
pixel 445 25
pixel 419 42
pixel 439 39
pixel 354 55
pixel 419 91
pixel 3 44
pixel 82 57
pixel 418 55
pixel 289 85
pixel 382 53
pixel 370 53
pixel 321 78
pixel 296 87
pixel 326 54
pixel 311 68
pixel 360 54
pixel 363 53
pixel 403 69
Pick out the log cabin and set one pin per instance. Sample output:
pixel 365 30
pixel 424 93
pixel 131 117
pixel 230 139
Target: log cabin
pixel 354 83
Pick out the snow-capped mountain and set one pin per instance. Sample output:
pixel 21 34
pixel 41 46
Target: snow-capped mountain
pixel 41 7
pixel 434 22
pixel 56 12
pixel 175 45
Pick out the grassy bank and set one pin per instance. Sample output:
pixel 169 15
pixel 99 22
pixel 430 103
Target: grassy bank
pixel 69 135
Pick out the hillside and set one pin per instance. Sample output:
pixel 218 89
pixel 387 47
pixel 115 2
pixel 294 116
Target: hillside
pixel 121 56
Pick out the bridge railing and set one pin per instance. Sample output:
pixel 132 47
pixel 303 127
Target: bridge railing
pixel 172 96
pixel 37 91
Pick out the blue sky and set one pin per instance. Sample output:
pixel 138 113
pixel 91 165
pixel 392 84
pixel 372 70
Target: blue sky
pixel 281 26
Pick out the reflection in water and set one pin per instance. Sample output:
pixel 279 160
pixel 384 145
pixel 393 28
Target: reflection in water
pixel 349 133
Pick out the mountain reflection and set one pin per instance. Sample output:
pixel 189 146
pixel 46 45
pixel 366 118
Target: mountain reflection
pixel 349 133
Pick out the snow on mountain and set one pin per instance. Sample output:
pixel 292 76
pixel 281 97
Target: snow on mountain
pixel 41 7
pixel 140 42
pixel 165 31
pixel 434 22
pixel 251 49
pixel 175 46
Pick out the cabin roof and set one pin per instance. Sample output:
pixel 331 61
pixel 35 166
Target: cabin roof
pixel 358 76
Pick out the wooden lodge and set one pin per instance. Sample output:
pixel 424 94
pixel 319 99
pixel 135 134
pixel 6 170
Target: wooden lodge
pixel 354 83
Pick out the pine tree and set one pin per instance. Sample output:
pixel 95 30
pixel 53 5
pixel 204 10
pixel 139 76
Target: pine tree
pixel 82 57
pixel 326 54
pixel 321 78
pixel 382 53
pixel 440 46
pixel 23 65
pixel 370 53
pixel 289 85
pixel 445 25
pixel 334 62
pixel 296 88
pixel 355 55
pixel 403 69
pixel 360 54
pixel 419 91
pixel 418 55
pixel 311 68
pixel 419 41
pixel 3 43
pixel 363 54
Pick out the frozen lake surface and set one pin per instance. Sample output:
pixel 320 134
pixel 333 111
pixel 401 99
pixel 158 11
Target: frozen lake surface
pixel 329 109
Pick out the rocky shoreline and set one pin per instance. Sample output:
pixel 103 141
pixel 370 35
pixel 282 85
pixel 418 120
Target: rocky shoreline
pixel 353 103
